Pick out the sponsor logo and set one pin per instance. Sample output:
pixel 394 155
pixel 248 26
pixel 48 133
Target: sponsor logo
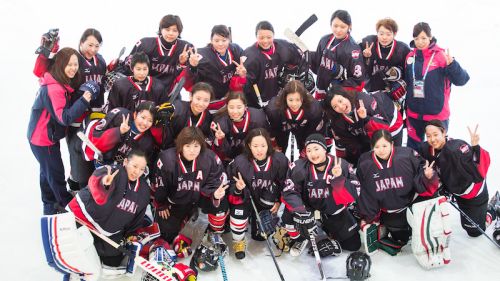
pixel 355 54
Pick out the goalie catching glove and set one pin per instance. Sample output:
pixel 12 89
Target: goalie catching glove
pixel 164 114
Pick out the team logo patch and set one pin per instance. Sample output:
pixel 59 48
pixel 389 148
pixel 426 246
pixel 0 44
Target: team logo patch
pixel 373 105
pixel 291 165
pixel 355 54
pixel 159 164
pixel 464 148
pixel 409 60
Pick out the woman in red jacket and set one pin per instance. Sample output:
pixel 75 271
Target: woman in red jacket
pixel 51 115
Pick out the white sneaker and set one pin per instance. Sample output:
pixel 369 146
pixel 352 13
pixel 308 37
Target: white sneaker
pixel 298 247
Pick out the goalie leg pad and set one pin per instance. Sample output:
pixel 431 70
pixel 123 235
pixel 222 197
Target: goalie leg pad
pixel 430 232
pixel 68 249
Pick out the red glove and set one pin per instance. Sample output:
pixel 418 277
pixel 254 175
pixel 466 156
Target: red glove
pixel 182 246
pixel 183 272
pixel 398 90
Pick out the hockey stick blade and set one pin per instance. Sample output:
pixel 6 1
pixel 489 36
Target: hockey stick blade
pixel 296 40
pixel 305 25
pixel 122 51
pixel 176 90
pixel 86 140
pixel 146 265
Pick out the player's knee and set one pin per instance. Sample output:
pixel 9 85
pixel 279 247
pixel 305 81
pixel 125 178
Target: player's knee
pixel 352 243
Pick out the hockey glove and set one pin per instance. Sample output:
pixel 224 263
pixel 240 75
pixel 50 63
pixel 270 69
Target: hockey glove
pixel 92 87
pixel 393 74
pixel 327 247
pixel 339 72
pixel 398 91
pixel 182 245
pixel 49 44
pixel 164 114
pixel 183 272
pixel 305 223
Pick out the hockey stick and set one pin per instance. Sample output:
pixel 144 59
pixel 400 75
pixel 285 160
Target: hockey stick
pixel 257 93
pixel 176 90
pixel 292 147
pixel 215 239
pixel 316 254
pixel 305 25
pixel 472 222
pixel 146 265
pixel 295 39
pixel 122 51
pixel 87 141
pixel 268 244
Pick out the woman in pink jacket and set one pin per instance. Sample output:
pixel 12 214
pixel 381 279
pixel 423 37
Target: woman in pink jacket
pixel 51 115
pixel 430 71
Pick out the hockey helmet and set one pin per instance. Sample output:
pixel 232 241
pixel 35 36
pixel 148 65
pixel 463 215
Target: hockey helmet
pixel 358 266
pixel 205 258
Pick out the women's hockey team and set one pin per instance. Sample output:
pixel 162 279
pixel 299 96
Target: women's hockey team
pixel 144 162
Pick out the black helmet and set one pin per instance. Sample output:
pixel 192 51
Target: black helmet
pixel 358 266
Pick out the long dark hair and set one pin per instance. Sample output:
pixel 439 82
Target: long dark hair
pixel 339 90
pixel 255 133
pixel 294 86
pixel 60 61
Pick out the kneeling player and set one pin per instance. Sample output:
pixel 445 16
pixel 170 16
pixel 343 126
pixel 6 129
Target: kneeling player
pixel 390 177
pixel 189 176
pixel 462 170
pixel 263 171
pixel 114 204
pixel 319 182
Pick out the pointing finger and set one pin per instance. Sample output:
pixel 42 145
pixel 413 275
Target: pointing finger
pixel 185 48
pixel 236 63
pixel 239 175
pixel 235 178
pixel 371 45
pixel 432 164
pixel 475 130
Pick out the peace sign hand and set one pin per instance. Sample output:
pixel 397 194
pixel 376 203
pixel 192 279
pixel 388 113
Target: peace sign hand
pixel 219 134
pixel 361 110
pixel 240 183
pixel 449 59
pixel 240 68
pixel 337 169
pixel 221 191
pixel 474 136
pixel 124 127
pixel 194 57
pixel 367 52
pixel 183 57
pixel 108 179
pixel 428 171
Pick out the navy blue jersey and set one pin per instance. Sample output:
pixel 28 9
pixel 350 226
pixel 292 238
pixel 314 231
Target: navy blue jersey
pixel 262 69
pixel 331 51
pixel 93 69
pixel 352 134
pixel 184 117
pixel 307 188
pixel 128 93
pixel 180 182
pixel 215 69
pixel 105 135
pixel 232 145
pixel 302 123
pixel 164 60
pixel 381 60
pixel 265 182
pixel 391 185
pixel 117 209
pixel 461 168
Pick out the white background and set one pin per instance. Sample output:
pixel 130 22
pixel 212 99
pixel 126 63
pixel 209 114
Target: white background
pixel 470 29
